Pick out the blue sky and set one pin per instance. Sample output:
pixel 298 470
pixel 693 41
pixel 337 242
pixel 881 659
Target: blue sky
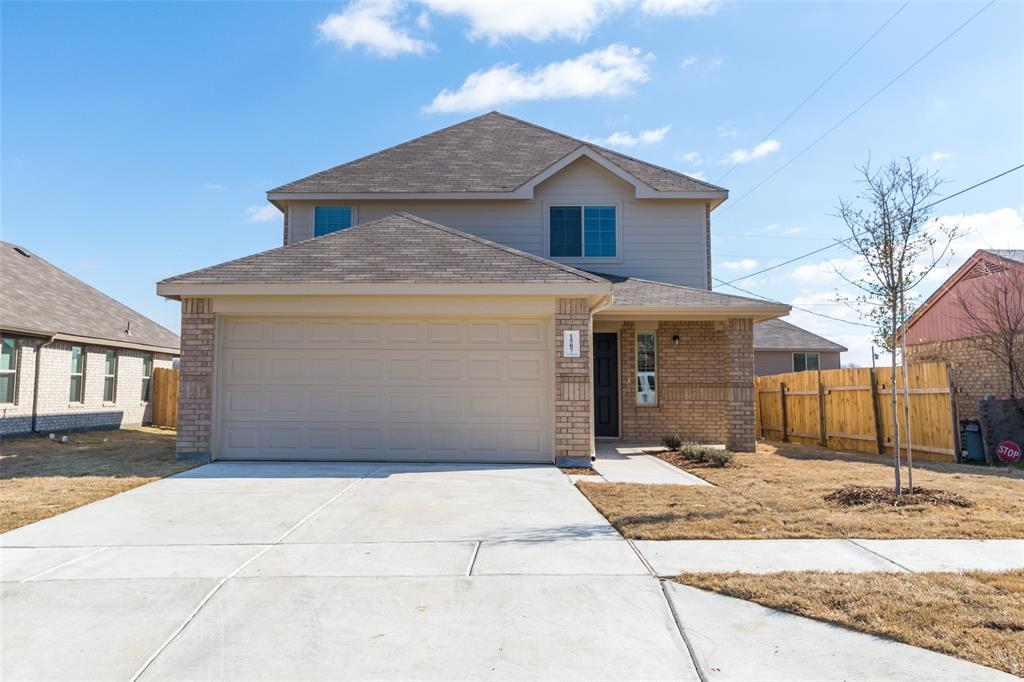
pixel 139 138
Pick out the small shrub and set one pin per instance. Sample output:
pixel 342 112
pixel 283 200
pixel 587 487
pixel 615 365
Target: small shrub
pixel 719 458
pixel 672 442
pixel 697 452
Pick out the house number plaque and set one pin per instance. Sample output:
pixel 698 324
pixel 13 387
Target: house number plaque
pixel 571 343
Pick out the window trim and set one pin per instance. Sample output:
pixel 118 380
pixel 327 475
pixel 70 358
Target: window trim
pixel 84 354
pixel 112 378
pixel 13 373
pixel 147 379
pixel 636 351
pixel 806 354
pixel 548 205
pixel 312 227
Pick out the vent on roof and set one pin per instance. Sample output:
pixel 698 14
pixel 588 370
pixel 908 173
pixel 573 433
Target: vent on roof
pixel 984 268
pixel 23 251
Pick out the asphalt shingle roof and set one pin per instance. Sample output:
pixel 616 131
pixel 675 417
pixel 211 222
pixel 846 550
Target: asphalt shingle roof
pixel 40 297
pixel 399 248
pixel 633 292
pixel 781 335
pixel 489 153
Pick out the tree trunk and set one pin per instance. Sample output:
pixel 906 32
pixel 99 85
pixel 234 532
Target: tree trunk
pixel 895 410
pixel 906 399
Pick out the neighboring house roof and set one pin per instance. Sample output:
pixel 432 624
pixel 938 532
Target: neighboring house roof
pixel 781 335
pixel 401 248
pixel 635 295
pixel 41 299
pixel 487 154
pixel 1008 254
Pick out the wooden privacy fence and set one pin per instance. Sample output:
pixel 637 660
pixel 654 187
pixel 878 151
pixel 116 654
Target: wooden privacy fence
pixel 165 398
pixel 851 409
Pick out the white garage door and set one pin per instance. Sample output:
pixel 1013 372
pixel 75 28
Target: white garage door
pixel 385 389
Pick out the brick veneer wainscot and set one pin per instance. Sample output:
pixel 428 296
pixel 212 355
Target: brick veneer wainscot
pixel 704 383
pixel 195 398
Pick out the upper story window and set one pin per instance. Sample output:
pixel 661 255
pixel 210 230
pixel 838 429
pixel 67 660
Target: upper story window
pixel 583 231
pixel 110 377
pixel 8 369
pixel 76 392
pixel 147 374
pixel 327 219
pixel 803 361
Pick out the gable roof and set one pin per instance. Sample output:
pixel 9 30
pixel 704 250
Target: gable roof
pixel 401 248
pixel 636 296
pixel 492 153
pixel 41 299
pixel 781 335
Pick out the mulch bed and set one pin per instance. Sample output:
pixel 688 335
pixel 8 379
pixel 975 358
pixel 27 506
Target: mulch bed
pixel 579 471
pixel 676 459
pixel 856 495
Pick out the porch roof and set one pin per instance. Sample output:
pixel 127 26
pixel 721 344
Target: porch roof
pixel 634 297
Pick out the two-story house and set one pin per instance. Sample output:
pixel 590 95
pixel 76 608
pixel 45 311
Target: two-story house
pixel 493 291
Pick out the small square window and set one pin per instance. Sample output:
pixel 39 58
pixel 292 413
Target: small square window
pixel 805 361
pixel 328 219
pixel 582 231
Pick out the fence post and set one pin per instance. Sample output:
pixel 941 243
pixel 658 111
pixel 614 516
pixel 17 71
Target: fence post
pixel 822 433
pixel 785 418
pixel 877 415
pixel 954 415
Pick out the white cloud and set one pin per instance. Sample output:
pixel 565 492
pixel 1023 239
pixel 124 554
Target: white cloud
pixel 1002 228
pixel 372 25
pixel 716 62
pixel 686 8
pixel 611 71
pixel 213 187
pixel 535 20
pixel 626 139
pixel 687 62
pixel 940 156
pixel 746 155
pixel 745 265
pixel 698 174
pixel 727 129
pixel 691 157
pixel 794 231
pixel 262 214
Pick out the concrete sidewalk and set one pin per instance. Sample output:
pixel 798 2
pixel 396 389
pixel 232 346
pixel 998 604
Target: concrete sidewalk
pixel 624 463
pixel 672 557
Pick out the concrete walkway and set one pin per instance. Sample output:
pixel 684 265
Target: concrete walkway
pixel 732 639
pixel 672 557
pixel 624 463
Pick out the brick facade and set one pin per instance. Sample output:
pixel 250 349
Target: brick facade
pixel 195 397
pixel 704 383
pixel 977 372
pixel 574 418
pixel 51 397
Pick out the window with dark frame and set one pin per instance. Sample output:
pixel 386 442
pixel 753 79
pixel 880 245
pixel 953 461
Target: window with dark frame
pixel 76 391
pixel 8 370
pixel 110 377
pixel 328 219
pixel 646 368
pixel 805 361
pixel 582 231
pixel 147 375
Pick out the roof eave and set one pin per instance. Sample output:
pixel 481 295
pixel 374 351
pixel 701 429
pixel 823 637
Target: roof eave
pixel 177 290
pixel 756 313
pixel 520 193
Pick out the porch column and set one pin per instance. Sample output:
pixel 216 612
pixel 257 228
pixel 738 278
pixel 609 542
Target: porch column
pixel 195 397
pixel 739 338
pixel 574 413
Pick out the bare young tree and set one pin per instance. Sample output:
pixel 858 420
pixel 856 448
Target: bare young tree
pixel 993 310
pixel 897 245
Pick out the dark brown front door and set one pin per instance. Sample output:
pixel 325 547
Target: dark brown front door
pixel 606 385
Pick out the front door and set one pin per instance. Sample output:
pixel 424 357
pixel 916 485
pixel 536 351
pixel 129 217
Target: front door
pixel 606 385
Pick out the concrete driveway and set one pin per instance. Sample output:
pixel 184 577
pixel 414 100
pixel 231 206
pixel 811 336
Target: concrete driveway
pixel 335 571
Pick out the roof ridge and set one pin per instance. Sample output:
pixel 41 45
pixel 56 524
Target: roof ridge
pixel 604 149
pixel 379 151
pixel 497 246
pixel 779 320
pixel 716 293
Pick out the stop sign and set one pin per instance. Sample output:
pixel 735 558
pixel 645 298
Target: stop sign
pixel 1008 452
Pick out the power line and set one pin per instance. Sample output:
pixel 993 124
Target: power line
pixel 810 312
pixel 821 85
pixel 863 104
pixel 843 241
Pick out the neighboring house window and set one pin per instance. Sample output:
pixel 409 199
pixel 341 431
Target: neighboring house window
pixel 802 361
pixel 110 377
pixel 77 392
pixel 147 374
pixel 646 353
pixel 587 231
pixel 327 219
pixel 8 369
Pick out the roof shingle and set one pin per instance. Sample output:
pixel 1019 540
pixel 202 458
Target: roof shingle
pixel 40 297
pixel 489 153
pixel 633 292
pixel 781 335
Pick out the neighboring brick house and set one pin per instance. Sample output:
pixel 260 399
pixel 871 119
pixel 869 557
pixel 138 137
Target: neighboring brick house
pixel 493 291
pixel 940 331
pixel 72 358
pixel 781 347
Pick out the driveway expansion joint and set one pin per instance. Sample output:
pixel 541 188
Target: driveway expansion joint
pixel 880 556
pixel 694 658
pixel 43 572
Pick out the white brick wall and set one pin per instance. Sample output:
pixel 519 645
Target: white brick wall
pixel 55 412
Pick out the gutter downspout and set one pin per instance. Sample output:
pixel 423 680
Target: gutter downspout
pixel 35 382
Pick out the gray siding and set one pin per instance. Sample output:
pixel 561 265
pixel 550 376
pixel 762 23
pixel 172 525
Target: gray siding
pixel 767 362
pixel 662 240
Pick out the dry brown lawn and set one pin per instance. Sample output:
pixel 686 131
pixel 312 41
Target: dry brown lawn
pixel 975 616
pixel 40 478
pixel 778 492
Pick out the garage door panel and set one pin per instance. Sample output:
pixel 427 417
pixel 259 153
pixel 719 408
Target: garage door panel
pixel 392 389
